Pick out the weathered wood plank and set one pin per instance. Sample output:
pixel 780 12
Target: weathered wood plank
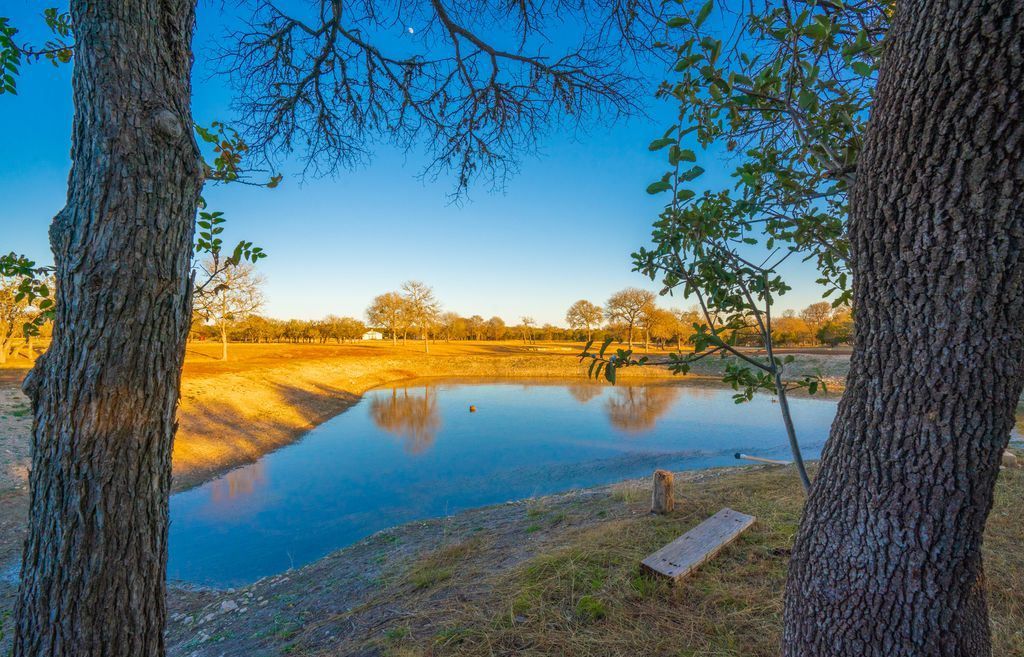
pixel 682 556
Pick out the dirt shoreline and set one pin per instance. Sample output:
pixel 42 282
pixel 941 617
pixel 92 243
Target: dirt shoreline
pixel 386 578
pixel 508 579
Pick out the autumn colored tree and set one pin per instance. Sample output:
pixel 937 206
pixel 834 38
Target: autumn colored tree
pixel 663 325
pixel 496 329
pixel 838 329
pixel 792 330
pixel 13 313
pixel 817 314
pixel 686 323
pixel 388 311
pixel 475 326
pixel 584 316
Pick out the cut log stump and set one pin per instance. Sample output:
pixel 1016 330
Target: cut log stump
pixel 682 556
pixel 662 500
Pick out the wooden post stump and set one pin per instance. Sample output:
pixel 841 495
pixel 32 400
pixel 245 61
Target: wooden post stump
pixel 662 500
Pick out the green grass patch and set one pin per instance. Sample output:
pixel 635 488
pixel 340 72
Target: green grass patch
pixel 589 609
pixel 439 566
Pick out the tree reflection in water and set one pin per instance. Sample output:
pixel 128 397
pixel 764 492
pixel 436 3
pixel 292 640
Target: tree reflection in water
pixel 637 408
pixel 412 417
pixel 239 482
pixel 584 392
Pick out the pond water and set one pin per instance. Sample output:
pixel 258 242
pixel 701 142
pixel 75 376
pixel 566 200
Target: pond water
pixel 415 451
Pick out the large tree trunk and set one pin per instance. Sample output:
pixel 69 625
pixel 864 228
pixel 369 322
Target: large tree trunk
pixel 887 562
pixel 104 394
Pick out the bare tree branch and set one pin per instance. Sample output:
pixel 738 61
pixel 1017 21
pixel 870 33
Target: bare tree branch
pixel 477 83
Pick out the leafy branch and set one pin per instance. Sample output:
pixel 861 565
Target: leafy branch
pixel 57 51
pixel 32 286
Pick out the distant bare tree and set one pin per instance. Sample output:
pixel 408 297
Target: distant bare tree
pixel 526 324
pixel 817 314
pixel 584 315
pixel 232 294
pixel 629 307
pixel 421 308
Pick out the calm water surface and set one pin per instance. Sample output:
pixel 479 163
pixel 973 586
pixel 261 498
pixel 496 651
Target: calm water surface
pixel 415 451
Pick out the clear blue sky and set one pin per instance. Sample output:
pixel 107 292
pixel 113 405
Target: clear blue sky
pixel 562 229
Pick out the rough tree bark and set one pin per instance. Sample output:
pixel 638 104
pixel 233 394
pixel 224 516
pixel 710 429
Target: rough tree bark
pixel 105 394
pixel 887 562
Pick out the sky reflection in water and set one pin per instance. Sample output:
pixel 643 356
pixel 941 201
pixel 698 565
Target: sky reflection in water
pixel 415 451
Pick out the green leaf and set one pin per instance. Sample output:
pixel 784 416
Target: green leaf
pixel 808 100
pixel 693 173
pixel 705 11
pixel 659 144
pixel 658 187
pixel 862 69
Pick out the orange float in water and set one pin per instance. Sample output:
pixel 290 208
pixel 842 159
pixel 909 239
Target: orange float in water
pixel 472 409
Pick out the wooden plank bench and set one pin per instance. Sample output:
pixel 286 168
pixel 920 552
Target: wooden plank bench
pixel 682 556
